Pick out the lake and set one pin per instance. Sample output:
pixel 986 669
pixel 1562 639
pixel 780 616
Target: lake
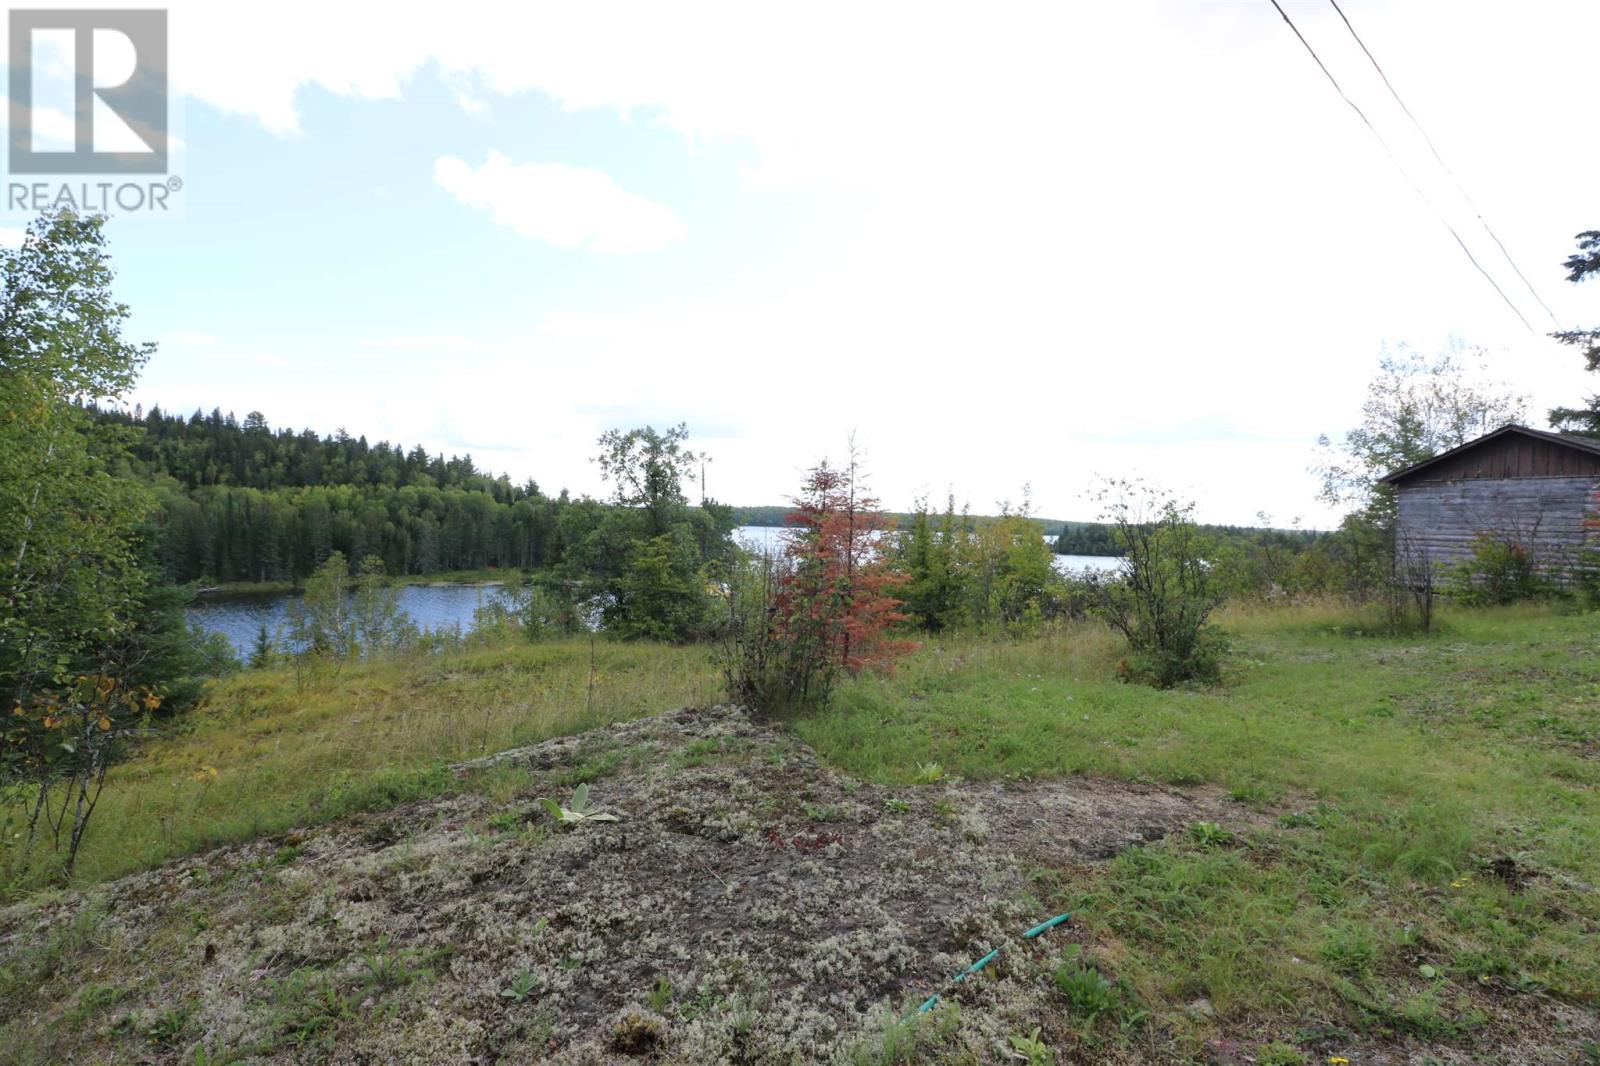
pixel 239 618
pixel 769 538
pixel 445 606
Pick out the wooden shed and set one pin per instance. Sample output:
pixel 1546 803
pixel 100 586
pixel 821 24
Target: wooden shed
pixel 1524 486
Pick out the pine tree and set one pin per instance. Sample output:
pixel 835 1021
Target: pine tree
pixel 1581 266
pixel 262 653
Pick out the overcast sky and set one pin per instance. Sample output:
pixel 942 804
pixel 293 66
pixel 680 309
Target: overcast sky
pixel 1005 244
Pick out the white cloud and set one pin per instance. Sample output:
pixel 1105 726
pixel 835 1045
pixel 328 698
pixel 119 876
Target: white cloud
pixel 569 207
pixel 1033 235
pixel 12 236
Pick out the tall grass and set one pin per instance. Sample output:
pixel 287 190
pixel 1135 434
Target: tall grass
pixel 267 751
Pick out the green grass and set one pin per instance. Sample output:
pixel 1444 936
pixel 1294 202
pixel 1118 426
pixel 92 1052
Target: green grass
pixel 1390 785
pixel 1396 770
pixel 267 752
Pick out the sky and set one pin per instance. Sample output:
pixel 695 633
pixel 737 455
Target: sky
pixel 1004 245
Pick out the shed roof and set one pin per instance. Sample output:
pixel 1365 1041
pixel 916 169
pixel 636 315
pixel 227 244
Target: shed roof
pixel 1584 445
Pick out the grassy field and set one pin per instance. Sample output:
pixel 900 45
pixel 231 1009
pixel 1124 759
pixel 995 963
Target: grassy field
pixel 1429 807
pixel 1439 818
pixel 269 749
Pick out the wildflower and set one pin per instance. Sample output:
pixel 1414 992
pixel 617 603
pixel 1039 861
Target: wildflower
pixel 104 724
pixel 1338 1060
pixel 206 774
pixel 152 702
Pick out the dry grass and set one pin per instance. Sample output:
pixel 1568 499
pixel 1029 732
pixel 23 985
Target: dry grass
pixel 267 751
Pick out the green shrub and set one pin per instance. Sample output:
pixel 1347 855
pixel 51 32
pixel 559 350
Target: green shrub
pixel 1161 598
pixel 1500 571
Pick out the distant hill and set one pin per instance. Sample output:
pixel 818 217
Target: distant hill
pixel 775 515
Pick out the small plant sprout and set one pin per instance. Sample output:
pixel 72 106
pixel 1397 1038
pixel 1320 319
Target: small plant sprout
pixel 521 987
pixel 896 805
pixel 577 810
pixel 1031 1049
pixel 929 772
pixel 1086 989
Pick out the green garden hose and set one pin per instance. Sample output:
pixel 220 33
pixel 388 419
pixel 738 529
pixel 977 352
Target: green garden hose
pixel 933 1000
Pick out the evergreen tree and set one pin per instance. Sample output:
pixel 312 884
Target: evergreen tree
pixel 1580 266
pixel 261 653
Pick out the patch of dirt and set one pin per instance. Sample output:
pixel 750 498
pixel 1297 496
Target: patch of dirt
pixel 750 904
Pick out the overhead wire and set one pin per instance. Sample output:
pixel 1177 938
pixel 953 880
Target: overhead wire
pixel 1442 164
pixel 1397 165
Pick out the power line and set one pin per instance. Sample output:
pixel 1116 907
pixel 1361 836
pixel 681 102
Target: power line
pixel 1443 166
pixel 1395 160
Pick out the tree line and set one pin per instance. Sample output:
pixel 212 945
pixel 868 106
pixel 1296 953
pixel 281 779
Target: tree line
pixel 241 502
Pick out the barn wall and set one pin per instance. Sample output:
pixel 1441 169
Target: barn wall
pixel 1512 455
pixel 1544 514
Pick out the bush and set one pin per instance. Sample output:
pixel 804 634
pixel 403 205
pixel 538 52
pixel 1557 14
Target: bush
pixel 1500 571
pixel 801 618
pixel 662 593
pixel 1586 579
pixel 1159 601
pixel 542 608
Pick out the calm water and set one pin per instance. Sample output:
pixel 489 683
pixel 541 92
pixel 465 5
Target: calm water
pixel 239 618
pixel 435 607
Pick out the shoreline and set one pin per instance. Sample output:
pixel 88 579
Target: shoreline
pixel 442 579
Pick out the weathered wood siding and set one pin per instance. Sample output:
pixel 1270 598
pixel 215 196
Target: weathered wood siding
pixel 1513 455
pixel 1546 515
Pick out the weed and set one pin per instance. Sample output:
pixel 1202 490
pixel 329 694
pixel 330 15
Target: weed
pixel 521 987
pixel 389 968
pixel 94 999
pixel 1278 1053
pixel 1348 949
pixel 1087 991
pixel 822 812
pixel 169 1025
pixel 1030 1049
pixel 896 805
pixel 577 811
pixel 660 994
pixel 904 1037
pixel 507 821
pixel 309 1008
pixel 1209 834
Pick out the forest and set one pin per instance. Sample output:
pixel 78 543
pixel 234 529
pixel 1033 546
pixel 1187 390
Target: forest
pixel 241 502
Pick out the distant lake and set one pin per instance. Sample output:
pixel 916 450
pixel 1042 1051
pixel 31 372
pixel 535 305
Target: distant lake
pixel 446 606
pixel 768 538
